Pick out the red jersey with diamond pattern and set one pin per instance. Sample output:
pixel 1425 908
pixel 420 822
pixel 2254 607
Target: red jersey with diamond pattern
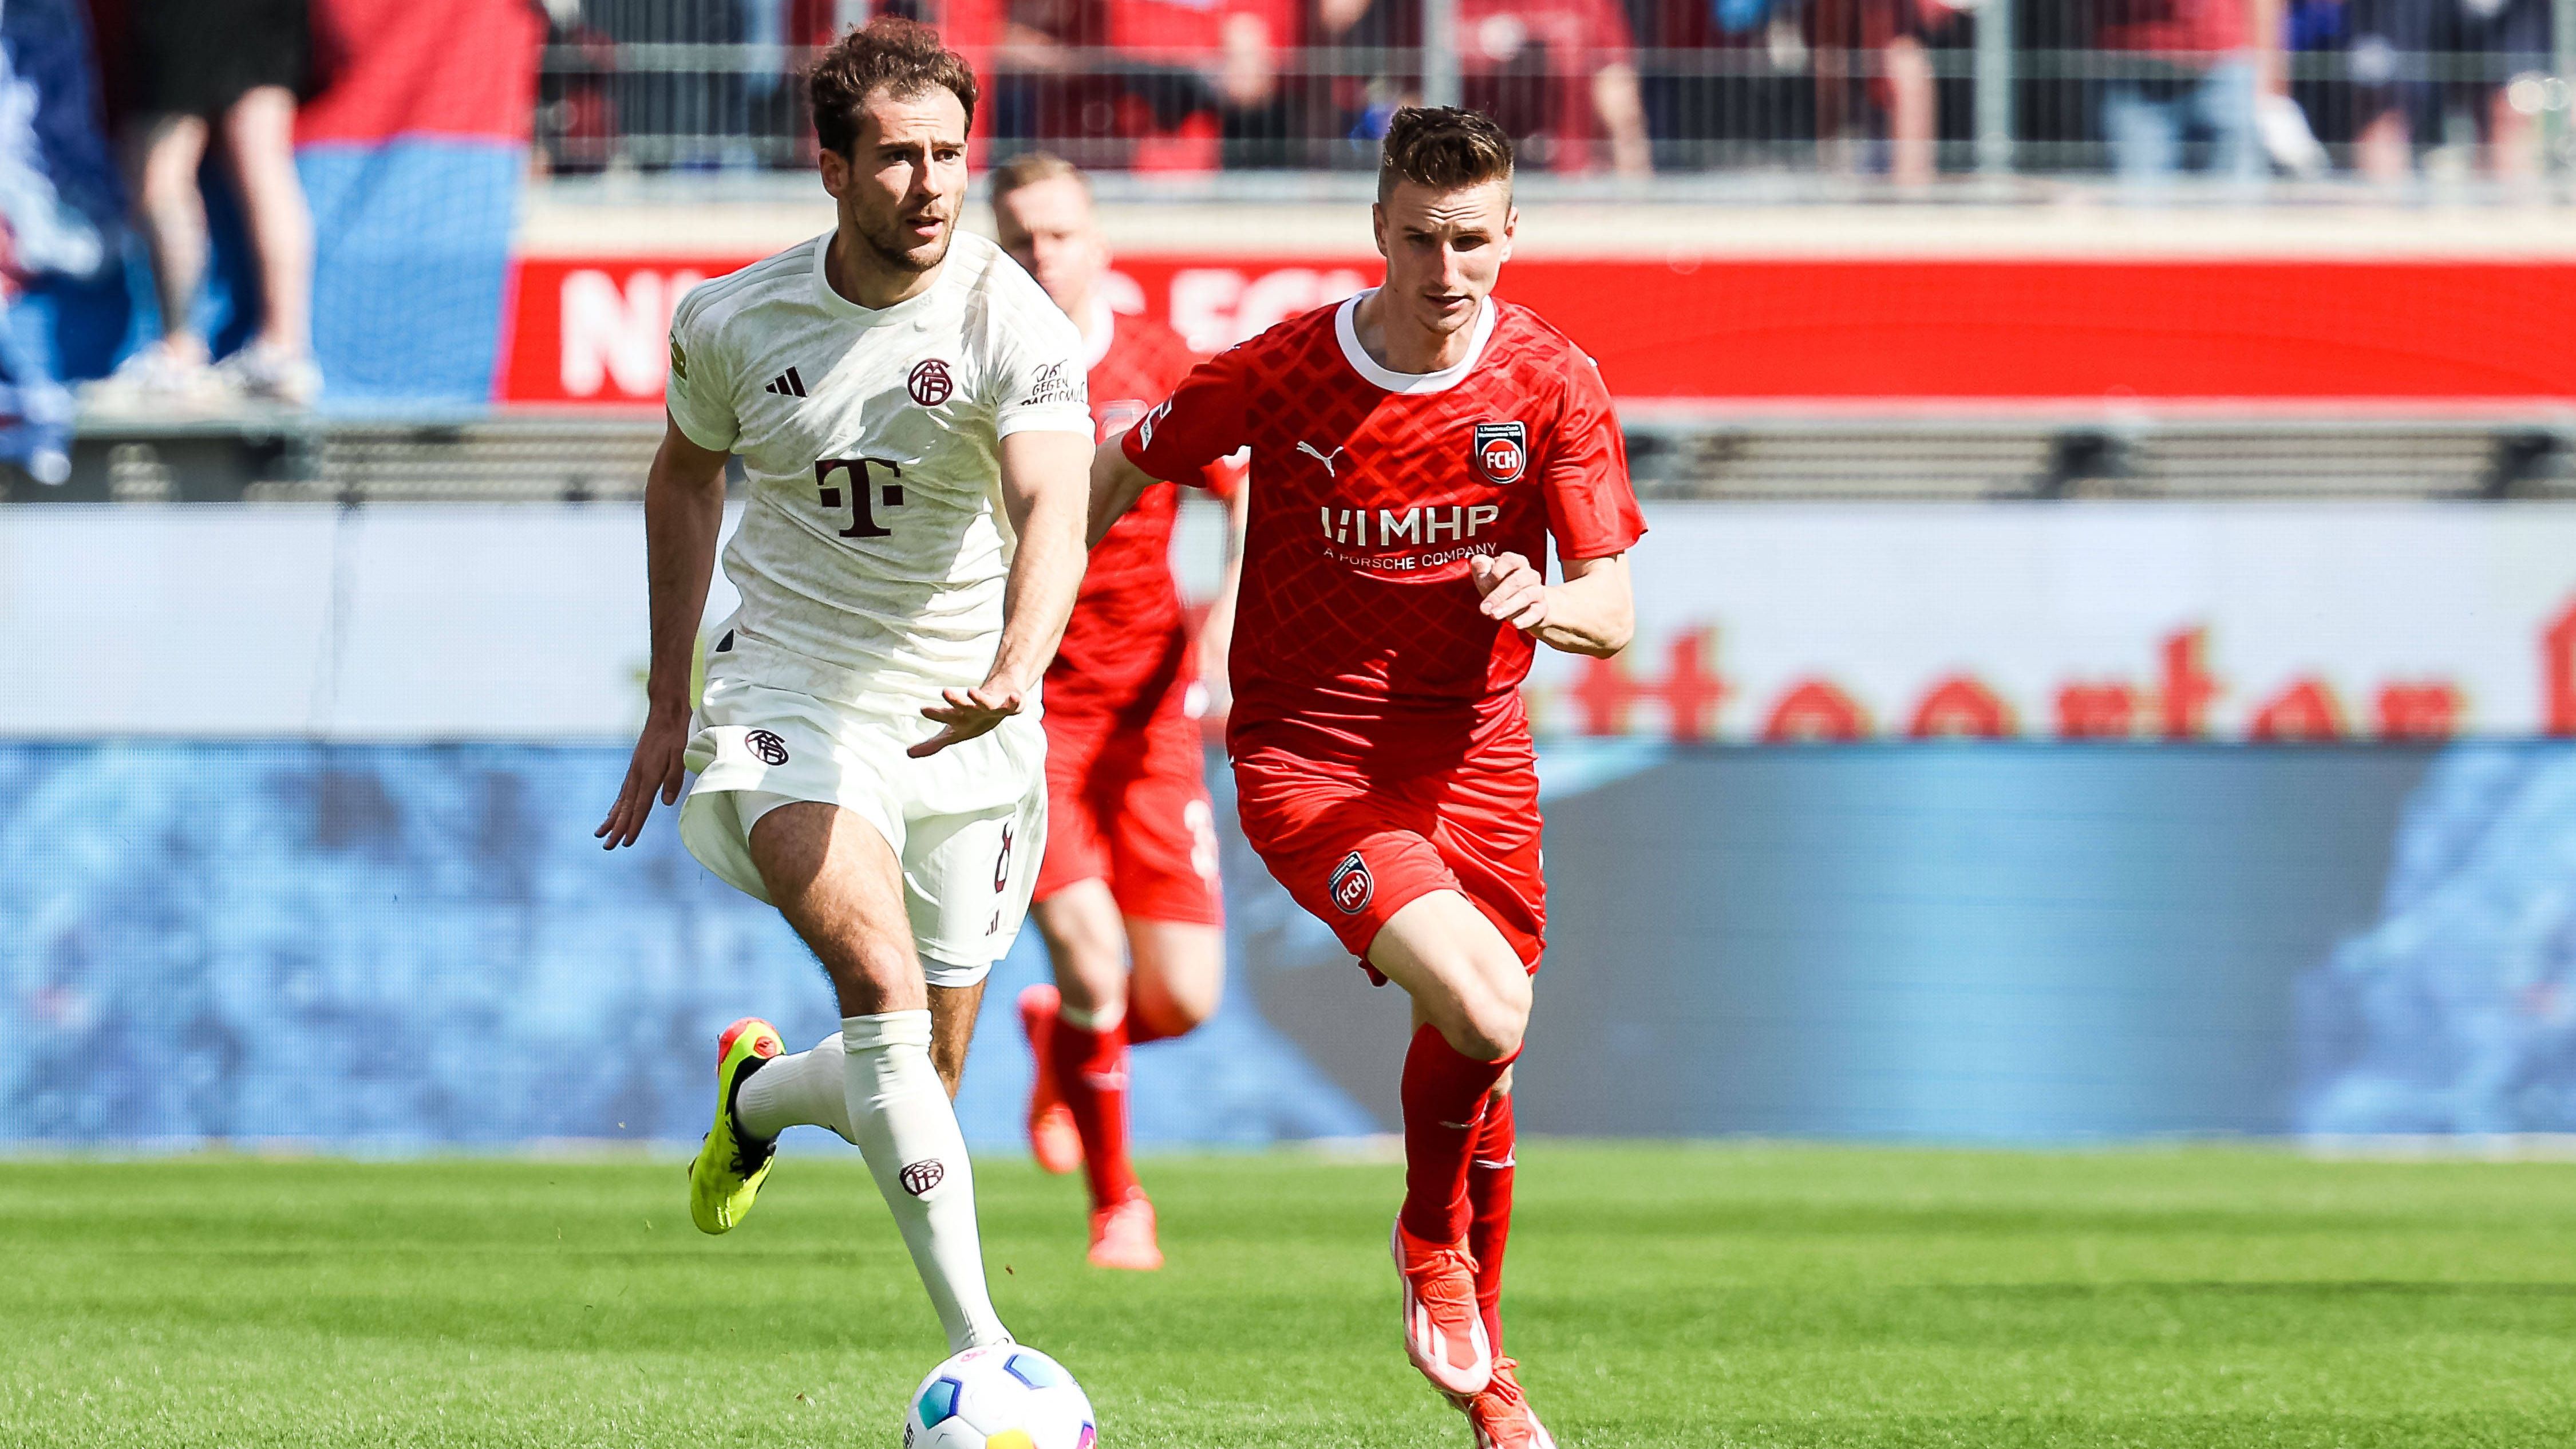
pixel 1357 628
pixel 1126 631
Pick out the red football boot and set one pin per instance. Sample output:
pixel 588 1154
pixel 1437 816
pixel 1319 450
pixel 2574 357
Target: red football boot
pixel 1444 1334
pixel 1122 1236
pixel 1500 1417
pixel 1053 1139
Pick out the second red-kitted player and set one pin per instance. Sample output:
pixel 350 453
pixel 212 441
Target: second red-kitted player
pixel 1127 896
pixel 1415 451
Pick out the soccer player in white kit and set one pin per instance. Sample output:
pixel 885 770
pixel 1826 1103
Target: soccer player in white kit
pixel 909 408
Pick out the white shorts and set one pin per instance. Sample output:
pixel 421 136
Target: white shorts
pixel 968 824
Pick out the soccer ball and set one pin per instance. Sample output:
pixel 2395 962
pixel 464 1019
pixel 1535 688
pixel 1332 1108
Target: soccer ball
pixel 999 1397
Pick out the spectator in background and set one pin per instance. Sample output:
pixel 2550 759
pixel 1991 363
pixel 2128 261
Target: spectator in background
pixel 199 65
pixel 59 212
pixel 2401 105
pixel 1352 103
pixel 1156 85
pixel 1234 49
pixel 1561 77
pixel 1891 39
pixel 2185 84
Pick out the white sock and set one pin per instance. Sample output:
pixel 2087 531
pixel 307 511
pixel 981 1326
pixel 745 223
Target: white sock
pixel 809 1089
pixel 901 1117
pixel 1101 1020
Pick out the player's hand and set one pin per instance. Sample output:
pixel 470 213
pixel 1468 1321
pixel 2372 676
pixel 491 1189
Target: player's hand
pixel 1514 592
pixel 656 768
pixel 966 713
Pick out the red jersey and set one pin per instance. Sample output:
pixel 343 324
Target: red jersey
pixel 1357 630
pixel 1126 636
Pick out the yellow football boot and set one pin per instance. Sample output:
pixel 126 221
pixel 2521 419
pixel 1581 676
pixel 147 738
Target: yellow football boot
pixel 726 1176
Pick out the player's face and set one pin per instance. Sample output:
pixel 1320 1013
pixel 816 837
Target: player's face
pixel 1049 227
pixel 1444 250
pixel 902 185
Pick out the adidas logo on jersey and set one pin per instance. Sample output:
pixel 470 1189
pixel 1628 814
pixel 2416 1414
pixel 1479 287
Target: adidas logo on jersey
pixel 786 384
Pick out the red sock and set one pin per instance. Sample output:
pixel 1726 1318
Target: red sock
pixel 1489 1197
pixel 1091 1070
pixel 1141 1031
pixel 1444 1097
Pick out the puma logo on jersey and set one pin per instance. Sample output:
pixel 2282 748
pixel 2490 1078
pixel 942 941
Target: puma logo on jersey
pixel 1324 458
pixel 786 384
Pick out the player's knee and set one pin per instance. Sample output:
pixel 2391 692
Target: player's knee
pixel 1497 1017
pixel 1489 1025
pixel 1190 1005
pixel 1176 996
pixel 1487 1035
pixel 870 971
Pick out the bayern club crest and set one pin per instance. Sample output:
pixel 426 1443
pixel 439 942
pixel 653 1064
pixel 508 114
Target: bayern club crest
pixel 1352 885
pixel 930 383
pixel 1502 451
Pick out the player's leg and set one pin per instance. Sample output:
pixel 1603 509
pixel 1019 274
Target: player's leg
pixel 1163 850
pixel 1065 1021
pixel 1489 1206
pixel 837 880
pixel 1085 1031
pixel 1085 953
pixel 1361 859
pixel 1178 979
pixel 1471 1000
pixel 1161 837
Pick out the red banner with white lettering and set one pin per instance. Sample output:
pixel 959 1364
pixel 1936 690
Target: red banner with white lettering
pixel 1849 331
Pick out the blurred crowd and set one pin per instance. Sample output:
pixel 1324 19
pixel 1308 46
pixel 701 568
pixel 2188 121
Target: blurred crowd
pixel 120 122
pixel 2235 88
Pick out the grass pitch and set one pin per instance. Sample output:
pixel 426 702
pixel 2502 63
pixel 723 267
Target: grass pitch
pixel 1661 1296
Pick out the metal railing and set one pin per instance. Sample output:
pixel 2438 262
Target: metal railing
pixel 1740 456
pixel 1901 92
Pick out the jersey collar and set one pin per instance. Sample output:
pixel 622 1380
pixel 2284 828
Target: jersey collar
pixel 840 306
pixel 1346 331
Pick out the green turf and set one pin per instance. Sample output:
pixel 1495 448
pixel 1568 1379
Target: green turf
pixel 1661 1296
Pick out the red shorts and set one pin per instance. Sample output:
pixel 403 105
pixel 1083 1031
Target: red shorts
pixel 1355 851
pixel 1129 806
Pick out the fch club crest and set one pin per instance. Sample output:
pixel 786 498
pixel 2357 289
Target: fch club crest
pixel 1352 885
pixel 1502 451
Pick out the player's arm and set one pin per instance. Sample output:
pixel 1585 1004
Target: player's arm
pixel 1216 633
pixel 683 513
pixel 1202 421
pixel 1043 492
pixel 1591 612
pixel 1593 517
pixel 1116 483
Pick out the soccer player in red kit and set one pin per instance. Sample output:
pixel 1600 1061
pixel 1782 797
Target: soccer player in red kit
pixel 1130 871
pixel 1414 451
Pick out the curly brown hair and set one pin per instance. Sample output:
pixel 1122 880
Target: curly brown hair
pixel 901 57
pixel 1443 147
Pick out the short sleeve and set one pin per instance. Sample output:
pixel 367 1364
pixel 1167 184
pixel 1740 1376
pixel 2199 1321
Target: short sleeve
pixel 696 389
pixel 1591 506
pixel 1040 383
pixel 1221 477
pixel 1201 422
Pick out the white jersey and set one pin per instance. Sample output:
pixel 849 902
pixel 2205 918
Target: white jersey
pixel 873 554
